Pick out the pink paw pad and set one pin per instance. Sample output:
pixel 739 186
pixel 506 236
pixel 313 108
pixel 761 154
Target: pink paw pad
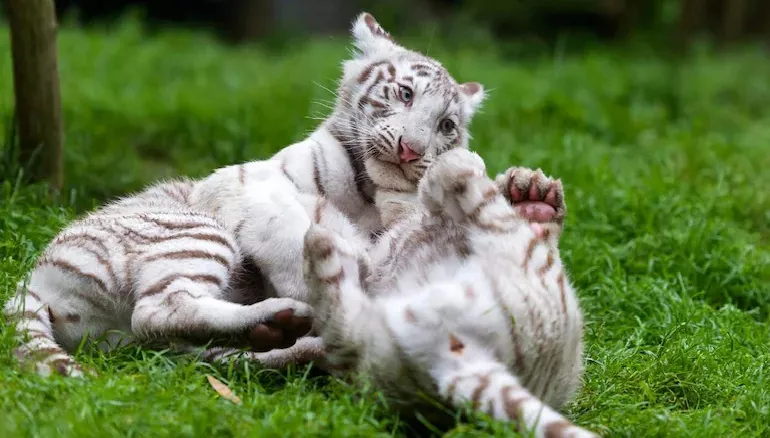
pixel 528 200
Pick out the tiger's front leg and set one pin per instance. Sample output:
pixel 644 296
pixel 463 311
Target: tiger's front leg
pixel 344 315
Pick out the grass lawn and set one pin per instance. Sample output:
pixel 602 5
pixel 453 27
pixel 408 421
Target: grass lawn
pixel 667 177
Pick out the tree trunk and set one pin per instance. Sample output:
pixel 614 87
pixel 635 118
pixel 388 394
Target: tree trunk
pixel 691 16
pixel 733 21
pixel 36 87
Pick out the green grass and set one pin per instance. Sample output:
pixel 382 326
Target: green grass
pixel 667 239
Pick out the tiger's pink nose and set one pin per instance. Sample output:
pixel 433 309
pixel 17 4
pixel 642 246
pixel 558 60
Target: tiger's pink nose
pixel 406 153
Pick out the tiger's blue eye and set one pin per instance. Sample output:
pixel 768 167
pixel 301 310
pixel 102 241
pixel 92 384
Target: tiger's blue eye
pixel 405 94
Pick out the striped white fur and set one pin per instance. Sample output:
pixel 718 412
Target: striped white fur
pixel 144 267
pixel 467 301
pixel 222 256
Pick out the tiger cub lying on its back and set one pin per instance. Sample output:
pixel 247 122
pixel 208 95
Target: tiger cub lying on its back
pixel 466 299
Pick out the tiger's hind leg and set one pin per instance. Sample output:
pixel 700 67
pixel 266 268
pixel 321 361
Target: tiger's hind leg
pixel 487 386
pixel 179 284
pixel 187 308
pixel 37 347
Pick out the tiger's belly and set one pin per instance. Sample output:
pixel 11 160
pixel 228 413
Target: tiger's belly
pixel 547 342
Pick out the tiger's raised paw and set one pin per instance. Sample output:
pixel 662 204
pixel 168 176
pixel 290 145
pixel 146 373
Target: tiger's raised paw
pixel 535 196
pixel 456 184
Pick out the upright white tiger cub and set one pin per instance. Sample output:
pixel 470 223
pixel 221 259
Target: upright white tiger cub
pixel 222 257
pixel 466 300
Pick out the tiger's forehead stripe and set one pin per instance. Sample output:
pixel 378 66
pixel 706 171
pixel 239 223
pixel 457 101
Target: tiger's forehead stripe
pixel 430 78
pixel 364 76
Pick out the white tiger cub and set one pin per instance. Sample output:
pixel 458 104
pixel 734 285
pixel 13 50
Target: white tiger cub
pixel 222 257
pixel 467 300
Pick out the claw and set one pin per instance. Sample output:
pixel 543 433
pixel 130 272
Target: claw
pixel 550 197
pixel 515 193
pixel 534 193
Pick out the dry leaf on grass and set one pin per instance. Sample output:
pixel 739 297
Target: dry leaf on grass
pixel 223 390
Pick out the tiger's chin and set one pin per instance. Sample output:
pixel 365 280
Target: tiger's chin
pixel 388 175
pixel 413 172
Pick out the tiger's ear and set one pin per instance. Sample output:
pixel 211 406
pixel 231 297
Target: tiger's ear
pixel 370 38
pixel 472 95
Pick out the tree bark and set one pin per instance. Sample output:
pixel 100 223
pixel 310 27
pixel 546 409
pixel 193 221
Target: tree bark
pixel 36 87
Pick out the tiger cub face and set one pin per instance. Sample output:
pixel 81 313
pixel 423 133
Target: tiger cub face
pixel 399 108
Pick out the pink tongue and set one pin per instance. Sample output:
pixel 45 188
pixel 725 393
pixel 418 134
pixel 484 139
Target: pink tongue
pixel 407 154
